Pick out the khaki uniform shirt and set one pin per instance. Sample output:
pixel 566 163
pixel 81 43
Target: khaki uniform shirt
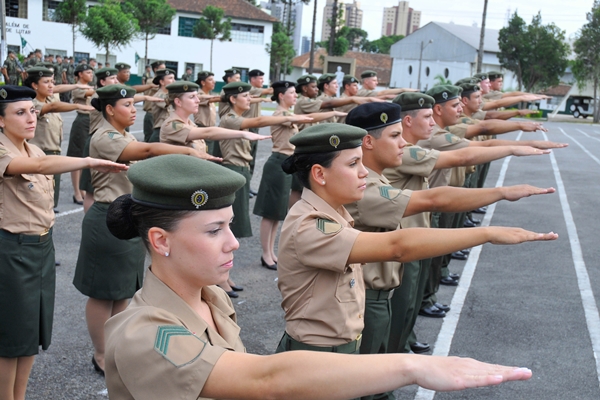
pixel 417 165
pixel 160 111
pixel 380 210
pixel 224 107
pixel 49 129
pixel 305 105
pixel 176 130
pixel 79 97
pixel 27 200
pixel 148 104
pixel 323 296
pixel 443 140
pixel 235 151
pixel 160 348
pixel 108 144
pixel 366 93
pixel 281 134
pixel 254 110
pixel 460 130
pixel 493 95
pixel 207 113
pixel 480 115
pixel 96 118
pixel 323 97
pixel 347 108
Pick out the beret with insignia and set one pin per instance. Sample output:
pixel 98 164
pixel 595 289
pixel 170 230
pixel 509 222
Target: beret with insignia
pixel 40 71
pixel 493 75
pixel 232 71
pixel 180 182
pixel 115 92
pixel 10 93
pixel 325 138
pixel 161 73
pixel 444 93
pixel 83 67
pixel 306 79
pixel 414 101
pixel 471 79
pixel 481 75
pixel 236 88
pixel 156 63
pixel 203 75
pixel 182 87
pixel 326 78
pixel 368 74
pixel 468 88
pixel 47 65
pixel 370 116
pixel 121 66
pixel 283 84
pixel 348 79
pixel 255 72
pixel 105 72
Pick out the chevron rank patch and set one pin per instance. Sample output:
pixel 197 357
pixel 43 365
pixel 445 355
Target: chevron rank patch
pixel 3 151
pixel 177 125
pixel 417 154
pixel 450 138
pixel 178 345
pixel 389 192
pixel 328 227
pixel 113 134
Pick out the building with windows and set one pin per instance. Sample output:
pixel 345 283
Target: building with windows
pixel 32 22
pixel 350 13
pixel 280 10
pixel 400 20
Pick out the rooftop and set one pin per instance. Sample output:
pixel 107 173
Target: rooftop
pixel 470 35
pixel 233 8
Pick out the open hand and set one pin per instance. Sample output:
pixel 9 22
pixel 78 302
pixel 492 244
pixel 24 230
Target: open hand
pixel 514 193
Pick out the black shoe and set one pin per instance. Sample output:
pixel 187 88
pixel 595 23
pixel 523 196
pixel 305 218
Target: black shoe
pixel 432 312
pixel 237 288
pixel 418 347
pixel 232 294
pixel 443 307
pixel 448 281
pixel 466 252
pixel 480 210
pixel 77 201
pixel 264 264
pixel 457 255
pixel 469 224
pixel 475 221
pixel 97 367
pixel 56 210
pixel 250 195
pixel 454 276
pixel 57 263
pixel 253 192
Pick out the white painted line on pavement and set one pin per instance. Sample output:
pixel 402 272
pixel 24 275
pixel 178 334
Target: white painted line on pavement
pixel 64 214
pixel 590 307
pixel 446 335
pixel 586 134
pixel 580 145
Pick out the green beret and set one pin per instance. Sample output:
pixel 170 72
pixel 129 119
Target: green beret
pixel 180 182
pixel 161 73
pixel 182 87
pixel 47 65
pixel 105 72
pixel 157 63
pixel 111 92
pixel 482 76
pixel 444 93
pixel 120 66
pixel 236 88
pixel 202 75
pixel 493 75
pixel 468 88
pixel 10 93
pixel 326 78
pixel 306 79
pixel 349 79
pixel 325 138
pixel 414 101
pixel 472 80
pixel 371 116
pixel 40 71
pixel 368 74
pixel 83 67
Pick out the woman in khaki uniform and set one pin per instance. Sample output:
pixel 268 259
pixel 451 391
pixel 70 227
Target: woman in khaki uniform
pixel 27 270
pixel 273 199
pixel 207 111
pixel 109 271
pixel 182 329
pixel 160 110
pixel 236 153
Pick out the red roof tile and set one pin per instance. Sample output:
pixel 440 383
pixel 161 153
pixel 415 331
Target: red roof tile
pixel 233 8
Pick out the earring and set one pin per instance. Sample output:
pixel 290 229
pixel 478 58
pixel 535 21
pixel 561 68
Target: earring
pixel 323 182
pixel 166 254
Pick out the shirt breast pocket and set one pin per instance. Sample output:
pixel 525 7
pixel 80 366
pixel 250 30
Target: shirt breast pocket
pixel 32 188
pixel 345 291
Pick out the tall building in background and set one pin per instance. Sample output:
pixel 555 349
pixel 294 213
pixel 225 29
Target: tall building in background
pixel 400 20
pixel 280 11
pixel 351 14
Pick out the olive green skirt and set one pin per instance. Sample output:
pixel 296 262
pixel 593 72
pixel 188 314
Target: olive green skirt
pixel 148 126
pixel 27 282
pixel 107 268
pixel 274 190
pixel 241 226
pixel 85 180
pixel 80 130
pixel 155 137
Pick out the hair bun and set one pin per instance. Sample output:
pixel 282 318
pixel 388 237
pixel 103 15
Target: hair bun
pixel 96 104
pixel 289 165
pixel 118 218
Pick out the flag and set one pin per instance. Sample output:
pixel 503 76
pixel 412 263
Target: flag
pixel 137 58
pixel 23 42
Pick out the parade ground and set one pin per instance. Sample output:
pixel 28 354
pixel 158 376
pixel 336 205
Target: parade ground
pixel 533 305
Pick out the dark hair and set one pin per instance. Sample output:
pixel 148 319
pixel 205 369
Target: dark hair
pixel 226 98
pixel 31 79
pixel 301 164
pixel 127 220
pixel 170 100
pixel 3 109
pixel 100 105
pixel 279 90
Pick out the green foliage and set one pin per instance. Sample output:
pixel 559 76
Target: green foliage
pixel 72 12
pixel 536 53
pixel 281 50
pixel 152 15
pixel 212 26
pixel 440 80
pixel 108 26
pixel 382 45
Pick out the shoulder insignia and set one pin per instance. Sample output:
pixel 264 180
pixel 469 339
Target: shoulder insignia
pixel 450 138
pixel 113 134
pixel 177 125
pixel 178 345
pixel 389 192
pixel 3 152
pixel 327 226
pixel 417 154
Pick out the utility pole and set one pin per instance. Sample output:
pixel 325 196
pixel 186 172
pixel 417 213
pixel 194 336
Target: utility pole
pixel 481 38
pixel 311 61
pixel 423 45
pixel 3 49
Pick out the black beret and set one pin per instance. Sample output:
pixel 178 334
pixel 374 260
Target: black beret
pixel 83 67
pixel 161 73
pixel 325 138
pixel 157 63
pixel 181 182
pixel 371 116
pixel 231 71
pixel 202 75
pixel 493 75
pixel 283 84
pixel 444 93
pixel 11 93
pixel 414 101
pixel 255 72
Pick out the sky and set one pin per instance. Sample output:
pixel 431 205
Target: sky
pixel 568 15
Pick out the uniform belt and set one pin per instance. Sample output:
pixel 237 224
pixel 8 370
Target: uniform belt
pixel 52 152
pixel 379 294
pixel 18 237
pixel 348 348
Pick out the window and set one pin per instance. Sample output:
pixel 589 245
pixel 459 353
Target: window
pixel 195 69
pixel 410 69
pixel 446 73
pixel 244 33
pixel 16 8
pixel 186 26
pixel 81 56
pixel 243 73
pixel 174 66
pixel 49 9
pixel 165 31
pixel 16 49
pixel 427 71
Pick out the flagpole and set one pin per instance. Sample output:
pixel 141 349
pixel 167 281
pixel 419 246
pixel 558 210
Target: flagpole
pixel 3 51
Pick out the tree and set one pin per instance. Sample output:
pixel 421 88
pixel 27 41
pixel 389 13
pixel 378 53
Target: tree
pixel 211 26
pixel 356 37
pixel 536 53
pixel 586 47
pixel 152 15
pixel 440 80
pixel 281 50
pixel 107 25
pixel 72 12
pixel 382 45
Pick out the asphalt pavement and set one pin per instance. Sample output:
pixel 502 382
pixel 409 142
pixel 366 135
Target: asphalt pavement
pixel 532 305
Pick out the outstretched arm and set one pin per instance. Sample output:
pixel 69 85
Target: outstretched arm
pixel 496 127
pixel 216 133
pixel 475 155
pixel 50 165
pixel 540 144
pixel 262 121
